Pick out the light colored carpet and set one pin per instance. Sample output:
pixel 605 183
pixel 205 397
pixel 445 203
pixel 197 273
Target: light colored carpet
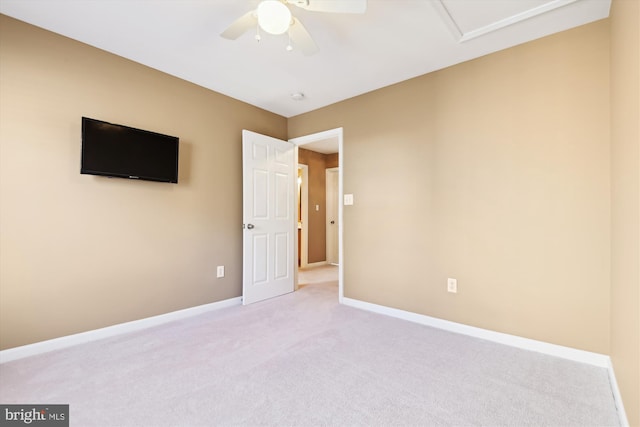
pixel 302 359
pixel 324 273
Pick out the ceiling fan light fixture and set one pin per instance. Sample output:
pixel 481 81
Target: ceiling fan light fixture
pixel 274 17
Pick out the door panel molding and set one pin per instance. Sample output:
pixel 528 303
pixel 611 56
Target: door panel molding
pixel 269 173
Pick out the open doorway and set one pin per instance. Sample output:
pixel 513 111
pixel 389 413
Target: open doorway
pixel 319 254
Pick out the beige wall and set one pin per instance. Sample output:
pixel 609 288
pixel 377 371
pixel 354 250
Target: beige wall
pixel 494 172
pixel 81 252
pixel 498 172
pixel 625 166
pixel 332 160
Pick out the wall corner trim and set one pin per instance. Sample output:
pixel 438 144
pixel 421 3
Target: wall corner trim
pixel 576 355
pixel 21 352
pixel 617 396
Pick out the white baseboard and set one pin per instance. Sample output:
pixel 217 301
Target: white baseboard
pixel 569 353
pixel 315 264
pixel 595 359
pixel 110 331
pixel 624 421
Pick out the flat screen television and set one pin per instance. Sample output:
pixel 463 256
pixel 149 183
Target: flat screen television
pixel 125 152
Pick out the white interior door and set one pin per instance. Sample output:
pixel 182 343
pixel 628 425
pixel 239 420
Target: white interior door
pixel 332 215
pixel 269 177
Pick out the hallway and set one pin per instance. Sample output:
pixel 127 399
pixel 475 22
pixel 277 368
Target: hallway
pixel 312 275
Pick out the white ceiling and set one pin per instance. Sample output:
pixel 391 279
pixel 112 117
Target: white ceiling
pixel 324 146
pixel 393 41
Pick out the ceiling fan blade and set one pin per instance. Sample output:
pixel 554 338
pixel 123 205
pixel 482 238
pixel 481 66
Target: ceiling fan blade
pixel 240 26
pixel 301 38
pixel 333 6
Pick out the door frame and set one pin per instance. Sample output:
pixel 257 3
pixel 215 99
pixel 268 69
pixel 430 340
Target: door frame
pixel 300 141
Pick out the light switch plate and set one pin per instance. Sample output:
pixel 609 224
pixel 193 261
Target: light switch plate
pixel 348 199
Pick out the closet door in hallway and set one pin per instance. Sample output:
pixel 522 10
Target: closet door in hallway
pixel 332 202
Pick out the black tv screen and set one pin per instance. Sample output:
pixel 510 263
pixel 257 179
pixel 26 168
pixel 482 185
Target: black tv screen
pixel 125 152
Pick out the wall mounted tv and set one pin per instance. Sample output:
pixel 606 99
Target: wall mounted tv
pixel 125 152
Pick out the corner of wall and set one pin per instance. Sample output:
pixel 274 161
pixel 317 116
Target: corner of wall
pixel 625 203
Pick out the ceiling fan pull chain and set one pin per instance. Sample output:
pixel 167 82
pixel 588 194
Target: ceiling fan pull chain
pixel 257 36
pixel 289 46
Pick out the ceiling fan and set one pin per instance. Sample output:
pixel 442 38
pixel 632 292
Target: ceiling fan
pixel 274 17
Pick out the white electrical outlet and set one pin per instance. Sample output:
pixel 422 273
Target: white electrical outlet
pixel 220 271
pixel 452 285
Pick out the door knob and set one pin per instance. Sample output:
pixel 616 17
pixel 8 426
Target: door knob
pixel 250 226
pixel 333 222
